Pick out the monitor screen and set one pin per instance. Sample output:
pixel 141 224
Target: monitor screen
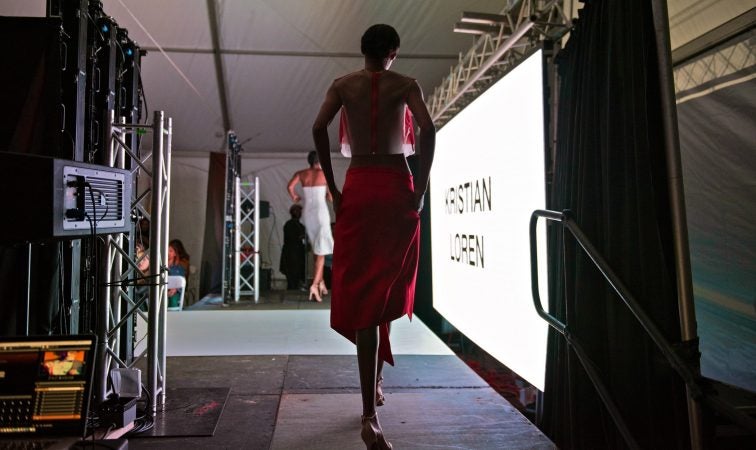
pixel 45 384
pixel 487 179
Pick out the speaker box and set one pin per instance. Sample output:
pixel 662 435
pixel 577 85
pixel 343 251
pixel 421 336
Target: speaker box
pixel 127 383
pixel 264 209
pixel 48 198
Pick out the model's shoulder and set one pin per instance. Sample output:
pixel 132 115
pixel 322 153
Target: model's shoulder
pixel 346 77
pixel 400 76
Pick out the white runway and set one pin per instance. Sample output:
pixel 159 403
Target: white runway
pixel 281 332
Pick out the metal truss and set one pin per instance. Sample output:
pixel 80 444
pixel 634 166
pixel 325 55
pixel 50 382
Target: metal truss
pixel 241 241
pixel 231 237
pixel 718 64
pixel 522 27
pixel 120 301
pixel 249 262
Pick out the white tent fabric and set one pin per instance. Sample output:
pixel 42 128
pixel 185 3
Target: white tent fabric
pixel 689 19
pixel 278 58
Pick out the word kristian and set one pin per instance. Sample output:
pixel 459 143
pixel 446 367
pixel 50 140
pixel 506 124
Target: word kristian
pixel 470 196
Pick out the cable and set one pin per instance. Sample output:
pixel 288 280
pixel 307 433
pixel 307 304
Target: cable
pixel 144 96
pixel 102 195
pixel 205 103
pixel 144 422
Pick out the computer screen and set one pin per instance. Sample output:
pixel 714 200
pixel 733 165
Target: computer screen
pixel 45 384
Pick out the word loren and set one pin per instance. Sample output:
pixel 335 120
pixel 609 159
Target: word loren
pixel 468 197
pixel 467 249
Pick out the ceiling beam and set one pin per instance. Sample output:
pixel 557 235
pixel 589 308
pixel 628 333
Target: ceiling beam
pixel 225 51
pixel 212 15
pixel 714 37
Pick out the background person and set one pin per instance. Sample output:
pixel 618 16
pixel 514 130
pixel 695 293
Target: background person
pixel 316 218
pixel 294 249
pixel 176 266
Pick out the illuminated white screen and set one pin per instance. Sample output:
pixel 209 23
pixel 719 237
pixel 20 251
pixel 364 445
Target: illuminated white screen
pixel 487 179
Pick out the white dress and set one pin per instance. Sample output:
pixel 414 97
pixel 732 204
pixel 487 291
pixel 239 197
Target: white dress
pixel 317 219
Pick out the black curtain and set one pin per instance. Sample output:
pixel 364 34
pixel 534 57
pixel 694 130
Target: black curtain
pixel 211 275
pixel 610 173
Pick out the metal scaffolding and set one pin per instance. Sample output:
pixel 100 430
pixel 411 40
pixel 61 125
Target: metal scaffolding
pixel 120 303
pixel 514 34
pixel 231 216
pixel 249 265
pixel 241 241
pixel 726 62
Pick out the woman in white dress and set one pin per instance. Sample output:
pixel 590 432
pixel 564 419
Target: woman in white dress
pixel 315 217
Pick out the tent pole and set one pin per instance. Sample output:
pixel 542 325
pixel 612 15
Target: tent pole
pixel 677 203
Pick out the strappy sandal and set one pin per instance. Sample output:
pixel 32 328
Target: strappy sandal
pixel 380 399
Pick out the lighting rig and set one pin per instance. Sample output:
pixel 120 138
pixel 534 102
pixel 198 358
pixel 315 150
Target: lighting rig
pixel 82 182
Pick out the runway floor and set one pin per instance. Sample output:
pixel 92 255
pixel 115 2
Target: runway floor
pixel 293 383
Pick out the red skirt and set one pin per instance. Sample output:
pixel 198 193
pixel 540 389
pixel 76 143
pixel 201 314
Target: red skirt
pixel 375 253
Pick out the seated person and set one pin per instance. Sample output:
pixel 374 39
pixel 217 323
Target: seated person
pixel 178 264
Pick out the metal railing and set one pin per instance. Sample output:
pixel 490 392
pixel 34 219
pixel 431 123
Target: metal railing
pixel 689 376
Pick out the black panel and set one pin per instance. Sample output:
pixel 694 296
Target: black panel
pixel 31 114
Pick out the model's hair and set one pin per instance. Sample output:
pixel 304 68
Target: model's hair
pixel 312 158
pixel 379 40
pixel 178 246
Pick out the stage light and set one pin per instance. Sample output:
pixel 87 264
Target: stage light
pixel 476 28
pixel 129 52
pixel 483 18
pixel 105 28
pixel 480 23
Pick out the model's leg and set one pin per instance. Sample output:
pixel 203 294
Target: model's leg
pixel 317 277
pixel 380 399
pixel 367 362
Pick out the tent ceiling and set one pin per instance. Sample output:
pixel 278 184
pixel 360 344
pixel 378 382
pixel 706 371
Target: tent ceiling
pixel 279 56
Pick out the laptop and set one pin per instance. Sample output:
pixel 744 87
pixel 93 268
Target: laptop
pixel 45 385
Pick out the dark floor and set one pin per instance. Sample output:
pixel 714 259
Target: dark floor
pixel 312 402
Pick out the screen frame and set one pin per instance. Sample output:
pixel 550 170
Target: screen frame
pixel 546 133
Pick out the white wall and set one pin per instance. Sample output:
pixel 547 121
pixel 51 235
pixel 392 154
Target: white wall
pixel 188 200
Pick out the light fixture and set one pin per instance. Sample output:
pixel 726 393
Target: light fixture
pixel 480 23
pixel 483 18
pixel 475 28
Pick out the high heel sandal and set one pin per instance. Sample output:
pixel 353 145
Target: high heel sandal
pixel 380 399
pixel 322 288
pixel 372 435
pixel 314 294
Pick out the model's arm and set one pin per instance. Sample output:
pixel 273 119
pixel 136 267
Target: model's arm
pixel 293 184
pixel 328 110
pixel 427 139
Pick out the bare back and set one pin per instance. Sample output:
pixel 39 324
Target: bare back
pixel 374 103
pixel 311 177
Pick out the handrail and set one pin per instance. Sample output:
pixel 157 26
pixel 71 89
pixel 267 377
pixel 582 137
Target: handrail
pixel 678 364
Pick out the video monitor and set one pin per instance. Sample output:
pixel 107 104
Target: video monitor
pixel 488 177
pixel 45 384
